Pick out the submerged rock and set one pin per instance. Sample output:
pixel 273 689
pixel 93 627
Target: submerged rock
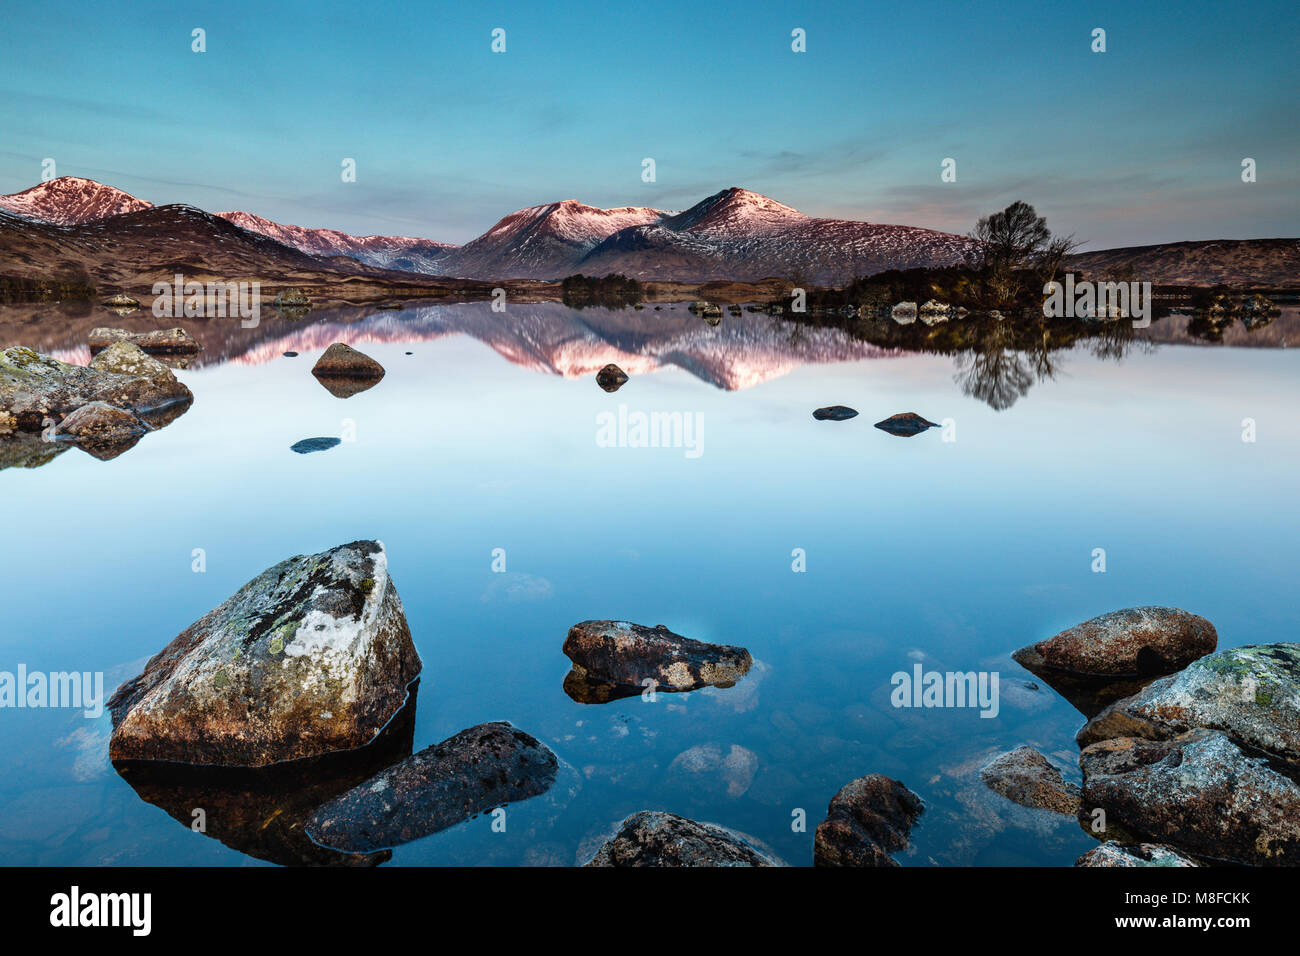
pixel 905 424
pixel 311 656
pixel 1250 693
pixel 709 768
pixel 309 445
pixel 835 413
pixel 611 378
pixel 1132 642
pixel 478 769
pixel 35 387
pixel 343 361
pixel 627 654
pixel 162 341
pixel 867 820
pixel 1025 776
pixel 1198 792
pixel 654 838
pixel 1113 853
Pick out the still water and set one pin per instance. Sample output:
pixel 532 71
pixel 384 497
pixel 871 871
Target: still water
pixel 949 549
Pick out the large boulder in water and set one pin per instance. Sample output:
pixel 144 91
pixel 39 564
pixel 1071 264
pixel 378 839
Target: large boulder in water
pixel 1199 792
pixel 311 656
pixel 1251 693
pixel 478 769
pixel 343 361
pixel 1133 642
pixel 867 820
pixel 654 838
pixel 34 387
pixel 628 655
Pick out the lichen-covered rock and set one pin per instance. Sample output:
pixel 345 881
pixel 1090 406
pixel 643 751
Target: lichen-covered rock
pixel 654 838
pixel 311 656
pixel 835 413
pixel 1113 853
pixel 868 819
pixel 905 424
pixel 611 378
pixel 1198 792
pixel 35 387
pixel 343 361
pixel 627 654
pixel 1025 776
pixel 1132 642
pixel 1250 693
pixel 478 769
pixel 101 423
pixel 161 341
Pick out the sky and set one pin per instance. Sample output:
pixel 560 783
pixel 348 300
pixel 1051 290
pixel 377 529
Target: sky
pixel 1140 144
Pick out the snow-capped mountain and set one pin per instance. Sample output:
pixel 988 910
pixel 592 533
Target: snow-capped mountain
pixel 543 242
pixel 69 200
pixel 740 235
pixel 387 252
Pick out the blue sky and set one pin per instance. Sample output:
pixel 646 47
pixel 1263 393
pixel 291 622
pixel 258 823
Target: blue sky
pixel 1140 144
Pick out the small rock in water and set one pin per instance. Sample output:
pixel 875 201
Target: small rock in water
pixel 290 354
pixel 867 820
pixel 905 424
pixel 611 378
pixel 654 838
pixel 311 656
pixel 1024 776
pixel 309 445
pixel 620 652
pixel 1133 642
pixel 1198 792
pixel 122 301
pixel 293 298
pixel 1113 853
pixel 835 413
pixel 478 769
pixel 343 361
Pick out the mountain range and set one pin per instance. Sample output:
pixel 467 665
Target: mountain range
pixel 735 235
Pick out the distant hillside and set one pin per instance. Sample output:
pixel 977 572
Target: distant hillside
pixel 1273 263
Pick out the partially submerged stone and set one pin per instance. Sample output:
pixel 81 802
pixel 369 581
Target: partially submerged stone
pixel 611 378
pixel 311 656
pixel 835 413
pixel 158 341
pixel 1113 853
pixel 35 387
pixel 1132 642
pixel 905 424
pixel 1025 776
pixel 867 820
pixel 122 301
pixel 655 838
pixel 343 361
pixel 478 769
pixel 632 655
pixel 1198 792
pixel 98 423
pixel 1250 693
